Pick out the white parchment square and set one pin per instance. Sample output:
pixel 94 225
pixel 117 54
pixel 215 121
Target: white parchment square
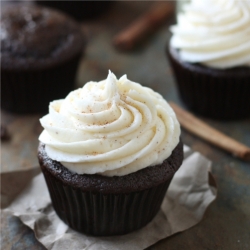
pixel 184 205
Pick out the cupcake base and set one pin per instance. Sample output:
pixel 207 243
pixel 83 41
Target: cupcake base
pixel 31 91
pixel 213 93
pixel 105 206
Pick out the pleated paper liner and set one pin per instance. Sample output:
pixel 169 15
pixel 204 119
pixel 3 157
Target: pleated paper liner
pixel 30 91
pixel 213 93
pixel 104 215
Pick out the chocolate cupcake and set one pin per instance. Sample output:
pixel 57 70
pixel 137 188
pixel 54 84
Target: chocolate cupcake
pixel 40 52
pixel 80 9
pixel 108 153
pixel 210 56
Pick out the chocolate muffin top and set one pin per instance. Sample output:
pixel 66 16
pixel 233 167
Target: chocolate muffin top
pixel 141 180
pixel 34 37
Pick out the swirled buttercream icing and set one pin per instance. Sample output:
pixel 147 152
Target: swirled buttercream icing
pixel 215 33
pixel 112 127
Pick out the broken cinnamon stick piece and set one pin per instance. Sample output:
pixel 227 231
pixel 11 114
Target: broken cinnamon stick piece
pixel 210 134
pixel 143 26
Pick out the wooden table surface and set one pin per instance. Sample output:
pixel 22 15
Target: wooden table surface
pixel 226 224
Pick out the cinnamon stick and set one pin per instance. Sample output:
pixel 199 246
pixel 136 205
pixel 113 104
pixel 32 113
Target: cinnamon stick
pixel 210 134
pixel 143 26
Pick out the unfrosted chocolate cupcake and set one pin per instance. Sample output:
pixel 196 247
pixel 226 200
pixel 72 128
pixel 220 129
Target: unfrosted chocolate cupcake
pixel 108 153
pixel 40 52
pixel 210 56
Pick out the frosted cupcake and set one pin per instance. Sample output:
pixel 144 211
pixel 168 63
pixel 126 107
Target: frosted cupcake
pixel 210 55
pixel 108 152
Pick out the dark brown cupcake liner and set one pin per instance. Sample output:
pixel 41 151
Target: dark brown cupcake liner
pixel 213 93
pixel 31 91
pixel 104 214
pixel 105 206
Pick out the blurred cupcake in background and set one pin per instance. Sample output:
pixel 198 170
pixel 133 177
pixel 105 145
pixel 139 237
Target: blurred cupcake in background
pixel 40 52
pixel 210 56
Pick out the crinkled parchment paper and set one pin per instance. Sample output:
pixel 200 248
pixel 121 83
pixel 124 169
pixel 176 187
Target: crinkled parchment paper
pixel 184 205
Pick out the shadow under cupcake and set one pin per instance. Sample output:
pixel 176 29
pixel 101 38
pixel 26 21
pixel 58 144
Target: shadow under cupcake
pixel 80 9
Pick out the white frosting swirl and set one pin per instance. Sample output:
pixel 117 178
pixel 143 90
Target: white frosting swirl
pixel 215 33
pixel 112 127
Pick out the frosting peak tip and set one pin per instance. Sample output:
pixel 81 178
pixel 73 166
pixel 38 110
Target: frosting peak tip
pixel 123 78
pixel 111 75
